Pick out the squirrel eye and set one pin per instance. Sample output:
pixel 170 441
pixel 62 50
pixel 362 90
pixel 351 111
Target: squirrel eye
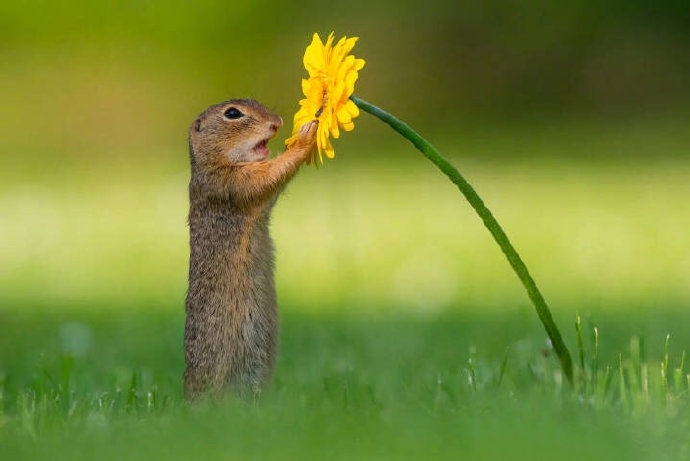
pixel 233 113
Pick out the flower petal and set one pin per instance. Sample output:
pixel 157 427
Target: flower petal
pixel 333 72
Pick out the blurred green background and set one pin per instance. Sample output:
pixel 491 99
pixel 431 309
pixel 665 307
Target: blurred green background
pixel 570 118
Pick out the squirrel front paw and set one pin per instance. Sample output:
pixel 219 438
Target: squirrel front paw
pixel 306 136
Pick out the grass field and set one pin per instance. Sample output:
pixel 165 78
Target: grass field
pixel 404 333
pixel 382 386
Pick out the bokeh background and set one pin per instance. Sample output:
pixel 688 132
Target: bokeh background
pixel 570 118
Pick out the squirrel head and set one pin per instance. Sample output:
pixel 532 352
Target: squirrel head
pixel 235 131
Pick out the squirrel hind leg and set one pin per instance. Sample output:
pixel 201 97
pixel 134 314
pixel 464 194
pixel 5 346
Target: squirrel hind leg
pixel 254 375
pixel 199 382
pixel 252 381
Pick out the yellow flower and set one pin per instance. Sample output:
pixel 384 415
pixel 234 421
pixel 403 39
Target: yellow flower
pixel 332 76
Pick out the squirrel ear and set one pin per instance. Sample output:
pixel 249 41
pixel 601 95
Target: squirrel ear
pixel 197 125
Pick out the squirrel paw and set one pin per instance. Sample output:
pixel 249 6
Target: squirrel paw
pixel 306 137
pixel 309 127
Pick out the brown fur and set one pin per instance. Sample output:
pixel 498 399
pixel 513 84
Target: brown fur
pixel 232 319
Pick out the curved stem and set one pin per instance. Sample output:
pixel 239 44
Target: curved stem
pixel 491 224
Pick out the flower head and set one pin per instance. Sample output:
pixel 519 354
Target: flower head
pixel 332 76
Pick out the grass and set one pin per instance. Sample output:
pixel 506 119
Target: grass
pixel 348 386
pixel 404 333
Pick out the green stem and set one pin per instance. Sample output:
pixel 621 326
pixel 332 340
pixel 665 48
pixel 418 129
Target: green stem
pixel 489 221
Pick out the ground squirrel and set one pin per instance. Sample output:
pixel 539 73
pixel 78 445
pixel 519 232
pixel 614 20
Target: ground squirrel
pixel 231 329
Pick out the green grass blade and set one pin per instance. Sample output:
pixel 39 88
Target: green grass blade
pixel 581 350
